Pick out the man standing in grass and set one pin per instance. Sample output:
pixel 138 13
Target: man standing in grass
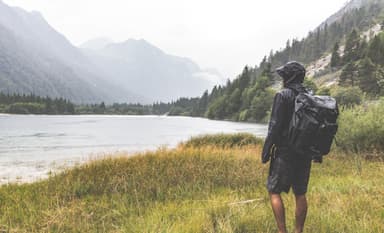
pixel 287 169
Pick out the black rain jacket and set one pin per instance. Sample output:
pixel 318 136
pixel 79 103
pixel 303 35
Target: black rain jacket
pixel 282 111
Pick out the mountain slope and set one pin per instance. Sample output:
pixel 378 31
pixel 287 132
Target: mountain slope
pixel 95 44
pixel 350 5
pixel 354 5
pixel 23 70
pixel 36 59
pixel 148 71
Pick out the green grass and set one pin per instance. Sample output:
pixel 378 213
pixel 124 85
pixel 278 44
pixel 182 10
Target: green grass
pixel 223 140
pixel 192 189
pixel 361 130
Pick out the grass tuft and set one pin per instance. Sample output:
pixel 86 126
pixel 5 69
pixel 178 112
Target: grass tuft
pixel 223 140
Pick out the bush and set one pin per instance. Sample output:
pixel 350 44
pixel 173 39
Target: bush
pixel 224 140
pixel 361 129
pixel 347 96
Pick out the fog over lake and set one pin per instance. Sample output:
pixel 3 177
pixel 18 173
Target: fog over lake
pixel 33 145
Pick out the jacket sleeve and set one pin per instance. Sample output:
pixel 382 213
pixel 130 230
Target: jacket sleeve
pixel 275 126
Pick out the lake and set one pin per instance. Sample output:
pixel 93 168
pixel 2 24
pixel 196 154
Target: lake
pixel 33 145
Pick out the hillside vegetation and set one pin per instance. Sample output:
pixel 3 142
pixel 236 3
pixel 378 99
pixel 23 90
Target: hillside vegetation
pixel 347 49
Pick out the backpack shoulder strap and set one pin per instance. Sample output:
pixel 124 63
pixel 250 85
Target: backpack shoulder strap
pixel 297 92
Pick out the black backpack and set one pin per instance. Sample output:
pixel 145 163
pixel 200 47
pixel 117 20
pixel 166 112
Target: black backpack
pixel 313 125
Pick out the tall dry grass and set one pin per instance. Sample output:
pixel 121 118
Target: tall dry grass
pixel 208 188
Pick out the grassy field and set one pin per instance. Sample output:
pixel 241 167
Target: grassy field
pixel 198 187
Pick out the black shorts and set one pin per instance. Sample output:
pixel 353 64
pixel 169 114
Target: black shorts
pixel 288 170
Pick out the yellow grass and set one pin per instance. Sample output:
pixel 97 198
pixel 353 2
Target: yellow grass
pixel 192 189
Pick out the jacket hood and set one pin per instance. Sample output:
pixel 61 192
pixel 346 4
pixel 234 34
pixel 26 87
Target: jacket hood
pixel 292 72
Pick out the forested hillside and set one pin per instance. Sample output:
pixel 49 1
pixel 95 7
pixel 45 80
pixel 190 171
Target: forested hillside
pixel 323 39
pixel 247 98
pixel 250 95
pixel 362 63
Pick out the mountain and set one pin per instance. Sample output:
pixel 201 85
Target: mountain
pixel 350 6
pixel 361 15
pixel 97 43
pixel 148 71
pixel 36 59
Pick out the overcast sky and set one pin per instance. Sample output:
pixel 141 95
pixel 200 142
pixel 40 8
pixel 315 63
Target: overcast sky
pixel 222 34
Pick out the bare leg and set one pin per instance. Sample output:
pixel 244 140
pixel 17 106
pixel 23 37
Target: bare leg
pixel 278 211
pixel 301 212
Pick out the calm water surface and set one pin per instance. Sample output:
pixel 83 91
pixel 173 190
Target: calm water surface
pixel 31 145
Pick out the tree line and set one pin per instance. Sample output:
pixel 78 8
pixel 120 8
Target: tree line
pixel 247 98
pixel 159 108
pixel 33 104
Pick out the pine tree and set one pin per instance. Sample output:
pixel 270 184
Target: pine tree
pixel 244 79
pixel 348 75
pixel 325 38
pixel 234 102
pixel 369 76
pixel 267 72
pixel 317 45
pixel 49 106
pixel 203 103
pixel 335 59
pixel 352 46
pixel 376 50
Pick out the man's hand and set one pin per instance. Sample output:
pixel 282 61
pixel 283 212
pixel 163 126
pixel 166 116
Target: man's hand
pixel 268 151
pixel 265 157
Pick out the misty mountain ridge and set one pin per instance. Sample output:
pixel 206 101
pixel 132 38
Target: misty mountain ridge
pixel 150 72
pixel 348 6
pixel 96 44
pixel 37 59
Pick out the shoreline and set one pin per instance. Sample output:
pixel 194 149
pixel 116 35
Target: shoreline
pixel 34 145
pixel 41 170
pixel 133 115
